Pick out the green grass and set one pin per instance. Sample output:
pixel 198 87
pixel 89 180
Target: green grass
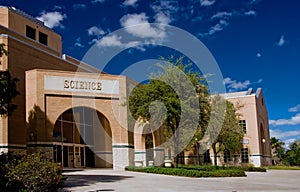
pixel 283 167
pixel 189 172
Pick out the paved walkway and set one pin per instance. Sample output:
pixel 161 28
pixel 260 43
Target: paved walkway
pixel 121 181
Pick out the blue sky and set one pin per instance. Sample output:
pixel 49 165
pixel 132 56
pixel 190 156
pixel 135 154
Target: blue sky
pixel 256 43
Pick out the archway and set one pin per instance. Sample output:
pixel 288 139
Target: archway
pixel 82 138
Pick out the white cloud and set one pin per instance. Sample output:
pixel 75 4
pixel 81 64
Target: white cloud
pixel 162 18
pixel 222 15
pixel 217 27
pixel 78 43
pixel 116 41
pixel 258 55
pixel 110 41
pixel 234 85
pixel 79 6
pixel 286 136
pixel 58 7
pixel 279 134
pixel 281 41
pixel 163 11
pixel 97 1
pixel 130 2
pixel 295 109
pixel 207 2
pixel 143 31
pixel 95 31
pixel 52 19
pixel 295 120
pixel 249 13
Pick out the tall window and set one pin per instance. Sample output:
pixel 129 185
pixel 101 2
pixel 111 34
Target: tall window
pixel 227 156
pixel 245 157
pixel 243 125
pixel 30 32
pixel 207 157
pixel 43 38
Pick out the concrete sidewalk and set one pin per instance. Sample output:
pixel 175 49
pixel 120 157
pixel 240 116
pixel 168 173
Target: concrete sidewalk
pixel 121 181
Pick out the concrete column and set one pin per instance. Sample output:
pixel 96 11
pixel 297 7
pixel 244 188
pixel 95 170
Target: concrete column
pixel 159 156
pixel 140 157
pixel 123 155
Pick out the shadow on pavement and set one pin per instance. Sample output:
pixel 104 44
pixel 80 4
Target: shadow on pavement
pixel 86 180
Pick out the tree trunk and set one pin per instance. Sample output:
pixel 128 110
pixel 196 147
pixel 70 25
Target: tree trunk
pixel 215 154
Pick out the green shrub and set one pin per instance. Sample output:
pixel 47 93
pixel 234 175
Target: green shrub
pixel 33 172
pixel 189 172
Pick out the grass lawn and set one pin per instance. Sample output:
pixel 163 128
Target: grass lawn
pixel 283 167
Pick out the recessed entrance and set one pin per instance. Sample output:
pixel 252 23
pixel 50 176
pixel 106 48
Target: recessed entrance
pixel 82 138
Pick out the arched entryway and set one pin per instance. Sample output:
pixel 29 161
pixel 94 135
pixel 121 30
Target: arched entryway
pixel 82 138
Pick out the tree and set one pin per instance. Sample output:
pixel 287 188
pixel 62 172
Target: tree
pixel 230 136
pixel 278 150
pixel 177 94
pixel 293 154
pixel 8 89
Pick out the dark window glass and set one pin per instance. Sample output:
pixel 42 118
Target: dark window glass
pixel 207 157
pixel 243 125
pixel 30 32
pixel 245 156
pixel 43 38
pixel 227 156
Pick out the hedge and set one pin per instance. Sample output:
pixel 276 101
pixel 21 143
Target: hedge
pixel 188 172
pixel 212 168
pixel 32 172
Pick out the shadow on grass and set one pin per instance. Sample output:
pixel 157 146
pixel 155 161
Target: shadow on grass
pixel 86 180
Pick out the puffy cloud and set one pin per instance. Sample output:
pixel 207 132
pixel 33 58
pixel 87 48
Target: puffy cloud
pixel 207 2
pixel 258 55
pixel 295 109
pixel 295 120
pixel 286 136
pixel 217 27
pixel 143 31
pixel 95 31
pixel 222 15
pixel 163 10
pixel 52 19
pixel 281 41
pixel 249 13
pixel 130 2
pixel 234 85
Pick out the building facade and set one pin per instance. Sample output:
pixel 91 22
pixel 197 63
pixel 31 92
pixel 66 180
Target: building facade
pixel 75 112
pixel 255 123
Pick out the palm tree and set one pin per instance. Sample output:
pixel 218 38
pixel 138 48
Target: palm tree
pixel 277 150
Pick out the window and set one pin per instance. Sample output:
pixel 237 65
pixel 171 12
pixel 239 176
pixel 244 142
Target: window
pixel 227 156
pixel 243 125
pixel 30 32
pixel 245 157
pixel 207 157
pixel 43 38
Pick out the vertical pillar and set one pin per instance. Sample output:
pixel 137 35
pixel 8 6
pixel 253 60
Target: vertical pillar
pixel 159 156
pixel 123 155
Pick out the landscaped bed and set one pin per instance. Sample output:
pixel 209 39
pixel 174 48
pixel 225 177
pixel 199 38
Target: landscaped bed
pixel 190 172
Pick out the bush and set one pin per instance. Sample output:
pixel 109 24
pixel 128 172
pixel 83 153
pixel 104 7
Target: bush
pixel 213 168
pixel 188 172
pixel 33 172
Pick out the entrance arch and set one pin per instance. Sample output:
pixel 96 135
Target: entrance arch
pixel 148 144
pixel 82 138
